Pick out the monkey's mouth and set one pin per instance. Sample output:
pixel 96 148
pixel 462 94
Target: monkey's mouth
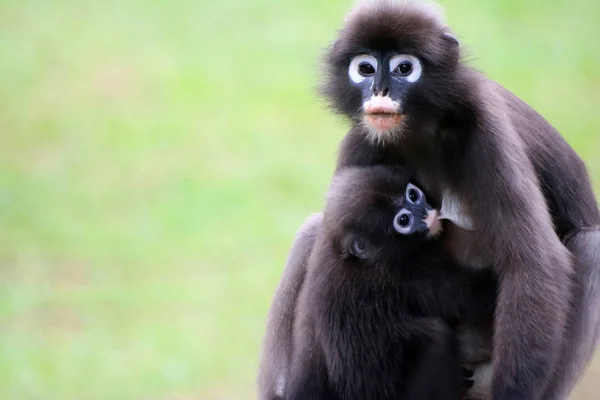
pixel 381 113
pixel 384 121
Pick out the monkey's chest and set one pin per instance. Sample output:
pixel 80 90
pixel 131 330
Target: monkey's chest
pixel 461 237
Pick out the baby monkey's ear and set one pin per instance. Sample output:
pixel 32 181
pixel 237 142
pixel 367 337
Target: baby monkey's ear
pixel 358 246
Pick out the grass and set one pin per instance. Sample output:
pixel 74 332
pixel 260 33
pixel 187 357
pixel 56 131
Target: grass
pixel 156 160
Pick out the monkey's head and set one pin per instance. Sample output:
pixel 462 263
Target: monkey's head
pixel 375 214
pixel 392 63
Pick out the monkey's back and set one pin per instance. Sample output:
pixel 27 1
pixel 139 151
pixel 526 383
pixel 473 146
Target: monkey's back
pixel 562 173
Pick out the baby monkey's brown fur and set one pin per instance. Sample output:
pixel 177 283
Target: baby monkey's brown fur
pixel 374 322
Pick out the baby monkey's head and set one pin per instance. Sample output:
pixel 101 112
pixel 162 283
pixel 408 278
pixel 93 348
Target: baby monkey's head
pixel 376 214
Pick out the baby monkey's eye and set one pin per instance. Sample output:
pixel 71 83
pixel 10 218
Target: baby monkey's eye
pixel 403 222
pixel 413 194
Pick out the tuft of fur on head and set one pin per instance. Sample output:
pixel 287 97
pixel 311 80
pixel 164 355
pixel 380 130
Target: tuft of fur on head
pixel 397 21
pixel 434 10
pixel 409 27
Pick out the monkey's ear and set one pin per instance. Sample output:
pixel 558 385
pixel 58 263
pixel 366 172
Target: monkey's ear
pixel 450 38
pixel 452 47
pixel 358 246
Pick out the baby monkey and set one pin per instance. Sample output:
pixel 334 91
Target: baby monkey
pixel 377 313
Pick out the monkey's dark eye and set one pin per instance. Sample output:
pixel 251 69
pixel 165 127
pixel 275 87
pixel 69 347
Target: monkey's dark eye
pixel 413 194
pixel 366 69
pixel 404 220
pixel 404 68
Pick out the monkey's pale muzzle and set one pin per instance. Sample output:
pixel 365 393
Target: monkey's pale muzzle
pixel 381 113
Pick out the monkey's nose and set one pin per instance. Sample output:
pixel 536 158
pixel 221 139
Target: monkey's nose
pixel 383 92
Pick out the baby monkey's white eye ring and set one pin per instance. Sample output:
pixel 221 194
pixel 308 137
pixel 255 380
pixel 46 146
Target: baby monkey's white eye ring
pixel 403 222
pixel 361 67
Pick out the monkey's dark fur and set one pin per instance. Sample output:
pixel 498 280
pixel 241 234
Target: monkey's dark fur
pixel 470 142
pixel 379 324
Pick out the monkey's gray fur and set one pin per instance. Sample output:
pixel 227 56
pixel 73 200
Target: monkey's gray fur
pixel 277 344
pixel 522 200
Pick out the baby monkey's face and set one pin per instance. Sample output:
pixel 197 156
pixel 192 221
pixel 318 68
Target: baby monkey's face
pixel 393 230
pixel 378 214
pixel 416 215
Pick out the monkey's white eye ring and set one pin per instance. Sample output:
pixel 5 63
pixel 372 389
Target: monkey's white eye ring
pixel 413 194
pixel 403 222
pixel 406 67
pixel 361 67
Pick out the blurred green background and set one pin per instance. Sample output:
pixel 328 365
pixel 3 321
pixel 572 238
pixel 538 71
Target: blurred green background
pixel 157 157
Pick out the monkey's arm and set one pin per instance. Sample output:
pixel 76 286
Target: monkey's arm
pixel 307 378
pixel 584 325
pixel 277 344
pixel 501 192
pixel 570 196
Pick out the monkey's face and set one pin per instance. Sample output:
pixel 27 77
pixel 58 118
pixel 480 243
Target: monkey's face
pixel 391 67
pixel 416 216
pixel 406 223
pixel 384 79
